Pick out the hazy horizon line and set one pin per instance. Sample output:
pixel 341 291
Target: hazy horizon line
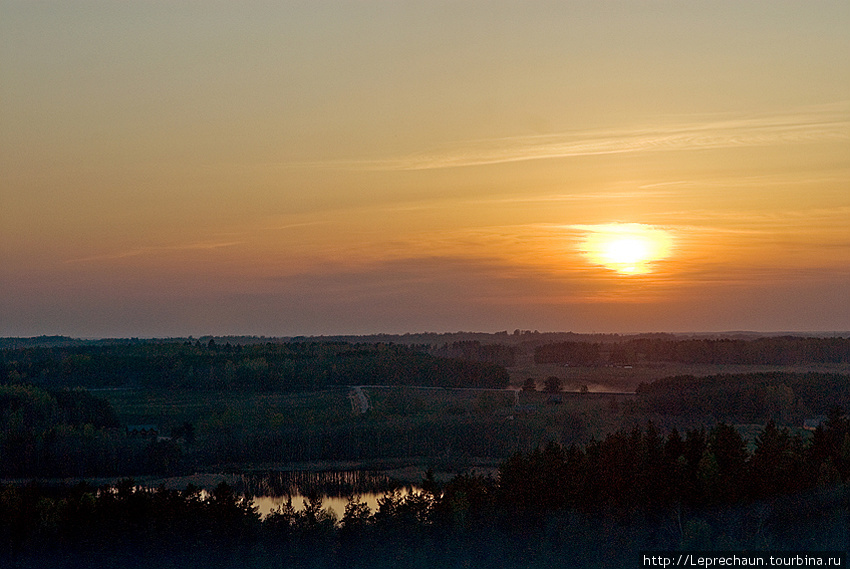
pixel 807 333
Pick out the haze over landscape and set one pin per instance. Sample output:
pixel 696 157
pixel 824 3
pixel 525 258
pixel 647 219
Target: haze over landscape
pixel 355 167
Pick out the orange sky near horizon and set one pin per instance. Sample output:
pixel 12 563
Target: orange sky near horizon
pixel 340 167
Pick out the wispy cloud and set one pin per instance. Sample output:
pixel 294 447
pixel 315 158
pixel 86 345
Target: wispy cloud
pixel 812 219
pixel 810 125
pixel 737 182
pixel 455 203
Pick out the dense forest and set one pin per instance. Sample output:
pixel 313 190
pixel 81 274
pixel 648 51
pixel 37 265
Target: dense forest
pixel 295 366
pixel 787 398
pixel 473 350
pixel 38 439
pixel 596 506
pixel 71 433
pixel 594 491
pixel 62 432
pixel 51 426
pixel 776 350
pixel 500 348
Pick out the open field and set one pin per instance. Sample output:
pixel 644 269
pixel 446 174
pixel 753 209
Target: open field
pixel 167 407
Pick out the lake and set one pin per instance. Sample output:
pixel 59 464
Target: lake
pixel 270 490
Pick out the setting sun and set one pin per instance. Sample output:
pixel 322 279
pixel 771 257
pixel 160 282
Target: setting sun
pixel 342 167
pixel 629 249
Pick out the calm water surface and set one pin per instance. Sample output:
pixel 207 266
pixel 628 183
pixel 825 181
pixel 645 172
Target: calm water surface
pixel 270 490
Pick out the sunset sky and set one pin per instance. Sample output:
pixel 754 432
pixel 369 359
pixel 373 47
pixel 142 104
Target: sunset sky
pixel 184 167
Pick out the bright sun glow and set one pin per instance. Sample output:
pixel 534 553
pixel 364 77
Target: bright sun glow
pixel 627 248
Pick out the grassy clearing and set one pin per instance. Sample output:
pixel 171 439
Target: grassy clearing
pixel 174 407
pixel 408 401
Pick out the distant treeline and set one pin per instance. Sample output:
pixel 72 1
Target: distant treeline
pixel 432 339
pixel 780 350
pixel 473 350
pixel 787 398
pixel 296 366
pixel 596 506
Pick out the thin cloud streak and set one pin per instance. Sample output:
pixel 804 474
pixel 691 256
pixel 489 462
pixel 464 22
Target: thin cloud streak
pixel 794 128
pixel 744 182
pixel 815 219
pixel 455 203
